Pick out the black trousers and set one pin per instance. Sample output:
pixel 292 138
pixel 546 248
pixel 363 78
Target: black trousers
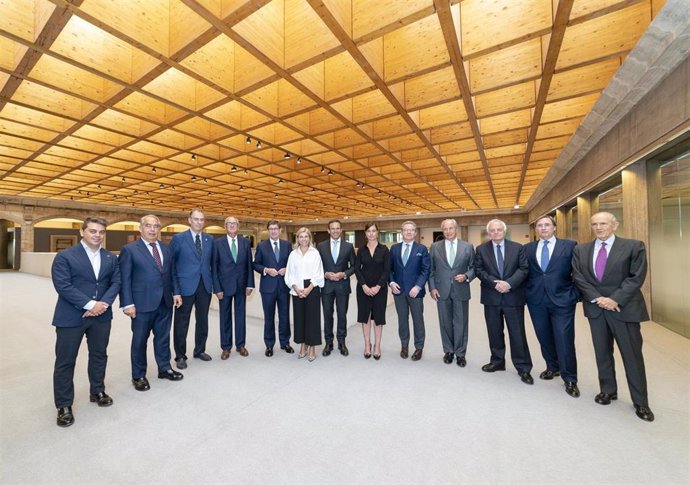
pixel 201 301
pixel 606 329
pixel 514 317
pixel 307 318
pixel 341 301
pixel 67 343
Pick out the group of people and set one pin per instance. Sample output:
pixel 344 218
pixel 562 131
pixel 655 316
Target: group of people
pixel 549 275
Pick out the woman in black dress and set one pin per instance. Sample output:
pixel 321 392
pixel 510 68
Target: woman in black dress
pixel 372 269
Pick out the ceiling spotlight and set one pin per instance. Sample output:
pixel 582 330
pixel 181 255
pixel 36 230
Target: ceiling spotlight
pixel 299 160
pixel 358 184
pixel 280 181
pixel 99 186
pixel 248 141
pixel 241 187
pixel 286 156
pixel 322 169
pixel 419 213
pixel 516 206
pixel 233 169
pixel 258 144
pixel 173 187
pixel 313 189
pixel 193 157
pixel 330 172
pixel 123 179
pixel 193 178
pixel 161 186
pixel 205 181
pixel 245 171
pixel 276 196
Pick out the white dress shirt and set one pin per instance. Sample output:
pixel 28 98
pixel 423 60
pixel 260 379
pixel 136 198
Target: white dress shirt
pixel 95 258
pixel 158 247
pixel 597 246
pixel 552 244
pixel 302 267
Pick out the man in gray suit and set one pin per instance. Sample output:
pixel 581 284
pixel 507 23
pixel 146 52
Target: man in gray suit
pixel 609 272
pixel 452 269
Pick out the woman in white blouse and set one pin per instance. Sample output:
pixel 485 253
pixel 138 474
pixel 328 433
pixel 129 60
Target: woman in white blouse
pixel 304 277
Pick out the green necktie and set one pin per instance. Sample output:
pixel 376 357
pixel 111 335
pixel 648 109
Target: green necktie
pixel 233 250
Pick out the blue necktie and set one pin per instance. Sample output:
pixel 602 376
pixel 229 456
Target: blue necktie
pixel 499 257
pixel 544 263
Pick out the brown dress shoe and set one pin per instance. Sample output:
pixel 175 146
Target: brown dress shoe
pixel 225 355
pixel 243 352
pixel 417 354
pixel 404 353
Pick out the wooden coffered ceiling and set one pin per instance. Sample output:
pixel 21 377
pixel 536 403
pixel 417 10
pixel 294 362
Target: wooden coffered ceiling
pixel 361 107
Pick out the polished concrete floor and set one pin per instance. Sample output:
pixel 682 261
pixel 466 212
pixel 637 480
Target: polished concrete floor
pixel 335 420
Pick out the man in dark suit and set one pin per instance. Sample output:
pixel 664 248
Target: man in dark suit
pixel 609 273
pixel 410 267
pixel 551 299
pixel 233 281
pixel 338 258
pixel 87 280
pixel 147 298
pixel 452 269
pixel 502 267
pixel 192 252
pixel 270 261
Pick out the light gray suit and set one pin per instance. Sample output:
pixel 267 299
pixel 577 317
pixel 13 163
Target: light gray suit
pixel 453 302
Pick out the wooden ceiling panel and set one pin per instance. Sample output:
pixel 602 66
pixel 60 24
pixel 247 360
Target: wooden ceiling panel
pixel 486 25
pixel 155 100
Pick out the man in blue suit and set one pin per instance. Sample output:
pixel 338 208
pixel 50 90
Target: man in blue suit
pixel 233 281
pixel 147 298
pixel 270 261
pixel 87 280
pixel 551 298
pixel 192 252
pixel 410 267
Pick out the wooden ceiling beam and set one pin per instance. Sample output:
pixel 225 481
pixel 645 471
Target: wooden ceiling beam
pixel 445 16
pixel 560 23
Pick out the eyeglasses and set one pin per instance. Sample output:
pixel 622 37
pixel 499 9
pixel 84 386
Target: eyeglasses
pixel 152 226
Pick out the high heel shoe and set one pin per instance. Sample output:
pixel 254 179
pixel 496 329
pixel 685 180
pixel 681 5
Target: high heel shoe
pixel 368 354
pixel 311 358
pixel 377 357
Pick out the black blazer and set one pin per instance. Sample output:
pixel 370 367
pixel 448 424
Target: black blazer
pixel 626 269
pixel 514 273
pixel 345 263
pixel 556 283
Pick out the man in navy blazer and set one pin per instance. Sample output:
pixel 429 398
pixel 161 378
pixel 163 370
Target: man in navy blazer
pixel 192 253
pixel 270 261
pixel 233 281
pixel 410 268
pixel 609 273
pixel 147 298
pixel 87 280
pixel 551 298
pixel 502 267
pixel 338 258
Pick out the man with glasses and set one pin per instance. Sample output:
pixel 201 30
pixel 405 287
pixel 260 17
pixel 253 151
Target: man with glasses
pixel 146 297
pixel 192 252
pixel 233 282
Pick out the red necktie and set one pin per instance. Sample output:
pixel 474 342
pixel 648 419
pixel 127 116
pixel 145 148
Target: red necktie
pixel 156 257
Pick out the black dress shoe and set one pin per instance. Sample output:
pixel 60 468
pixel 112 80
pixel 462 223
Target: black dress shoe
pixel 571 389
pixel 404 352
pixel 171 375
pixel 526 377
pixel 547 375
pixel 202 356
pixel 328 348
pixel 268 353
pixel 141 384
pixel 181 363
pixel 493 367
pixel 644 413
pixel 65 417
pixel 288 349
pixel 448 358
pixel 417 355
pixel 461 362
pixel 343 349
pixel 604 399
pixel 102 399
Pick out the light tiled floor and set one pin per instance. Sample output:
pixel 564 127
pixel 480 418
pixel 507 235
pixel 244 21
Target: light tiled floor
pixel 336 420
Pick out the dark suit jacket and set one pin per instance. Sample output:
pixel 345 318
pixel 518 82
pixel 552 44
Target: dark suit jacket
pixel 556 283
pixel 77 285
pixel 265 258
pixel 416 273
pixel 230 276
pixel 626 268
pixel 514 273
pixel 345 263
pixel 143 284
pixel 189 266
